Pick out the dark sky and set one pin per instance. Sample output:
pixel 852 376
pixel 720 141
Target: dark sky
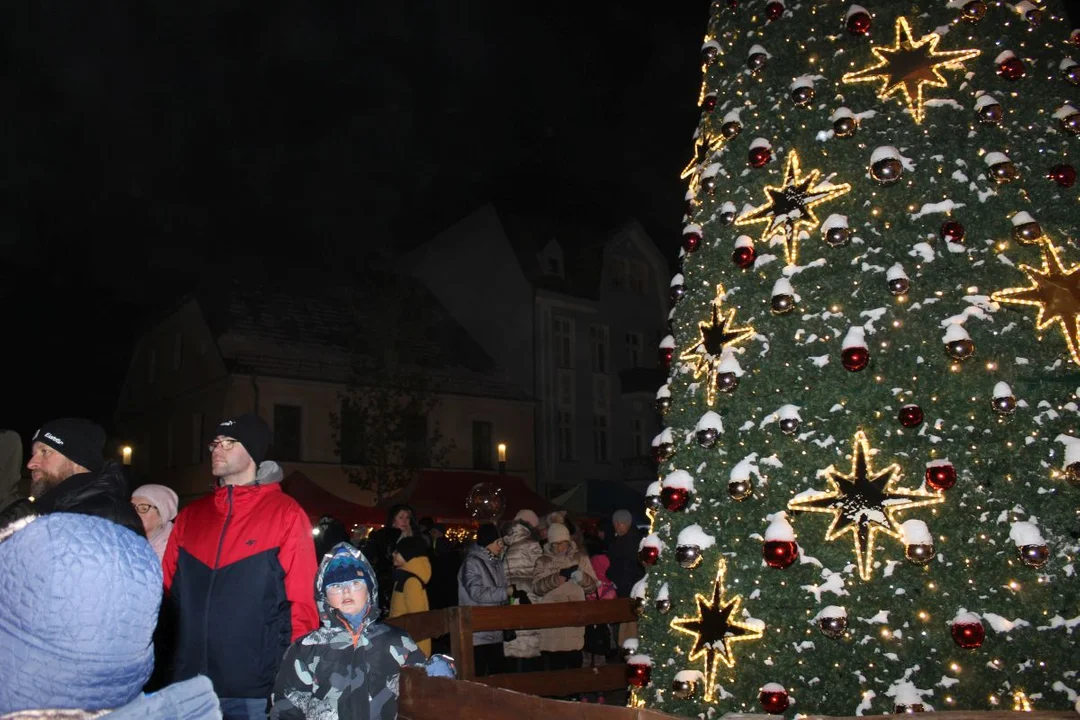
pixel 147 143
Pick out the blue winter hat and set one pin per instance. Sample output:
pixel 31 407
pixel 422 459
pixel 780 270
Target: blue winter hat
pixel 81 597
pixel 345 567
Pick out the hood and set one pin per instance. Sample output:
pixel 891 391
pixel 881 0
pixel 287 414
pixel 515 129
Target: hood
pixel 269 473
pixel 520 531
pixel 600 564
pixel 346 552
pixel 91 646
pixel 419 566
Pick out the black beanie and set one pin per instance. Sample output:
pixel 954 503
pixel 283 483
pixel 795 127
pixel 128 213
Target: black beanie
pixel 487 534
pixel 249 430
pixel 78 439
pixel 410 547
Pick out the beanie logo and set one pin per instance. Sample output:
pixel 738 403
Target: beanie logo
pixel 228 423
pixel 55 439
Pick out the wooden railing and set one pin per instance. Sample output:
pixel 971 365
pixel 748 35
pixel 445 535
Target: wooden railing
pixel 462 622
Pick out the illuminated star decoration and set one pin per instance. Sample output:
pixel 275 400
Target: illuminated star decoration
pixel 714 630
pixel 1055 290
pixel 705 146
pixel 715 335
pixel 791 206
pixel 863 503
pixel 909 65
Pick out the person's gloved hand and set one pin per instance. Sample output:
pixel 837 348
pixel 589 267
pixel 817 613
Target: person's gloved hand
pixel 576 576
pixel 441 666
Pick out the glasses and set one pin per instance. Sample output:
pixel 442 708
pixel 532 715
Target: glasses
pixel 143 508
pixel 225 444
pixel 338 588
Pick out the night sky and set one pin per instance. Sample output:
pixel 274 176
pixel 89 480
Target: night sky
pixel 148 146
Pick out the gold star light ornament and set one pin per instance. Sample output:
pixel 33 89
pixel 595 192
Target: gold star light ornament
pixel 910 65
pixel 714 336
pixel 706 144
pixel 715 629
pixel 863 503
pixel 1055 291
pixel 790 208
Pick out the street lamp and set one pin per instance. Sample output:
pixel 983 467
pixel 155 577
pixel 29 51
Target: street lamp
pixel 125 454
pixel 502 458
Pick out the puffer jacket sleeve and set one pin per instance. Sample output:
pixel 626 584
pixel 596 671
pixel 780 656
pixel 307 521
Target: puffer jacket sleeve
pixel 521 564
pixel 289 683
pixel 545 575
pixel 588 582
pixel 297 558
pixel 478 584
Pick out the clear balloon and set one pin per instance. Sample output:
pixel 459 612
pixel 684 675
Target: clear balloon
pixel 485 502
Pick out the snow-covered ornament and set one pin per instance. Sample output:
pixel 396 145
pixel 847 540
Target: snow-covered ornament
pixel 988 110
pixel 708 429
pixel 783 297
pixel 731 126
pixel 788 418
pixel 652 495
pixel 1026 230
pixel 756 58
pixel 663 601
pixel 667 350
pixel 1063 174
pixel 802 92
pixel 844 123
pixel 773 698
pixel 708 103
pixel 677 289
pixel 1000 168
pixel 710 50
pixel 1029 12
pixel 952 231
pixel 744 254
pixel 692 541
pixel 973 11
pixel 1009 66
pixel 897 280
pixel 780 550
pixel 1072 458
pixel 858 20
pixel 1030 546
pixel 1004 402
pixel 1074 37
pixel 709 178
pixel 692 202
pixel 728 373
pixel 637 603
pixel 727 213
pixel 649 550
pixel 760 153
pixel 774 10
pixel 940 475
pixel 684 684
pixel 663 446
pixel 831 621
pixel 1069 119
pixel 885 165
pixel 716 337
pixel 663 399
pixel 638 670
pixel 691 238
pixel 910 416
pixel 957 342
pixel 678 488
pixel 967 630
pixel 835 231
pixel 854 355
pixel 1070 70
pixel 918 542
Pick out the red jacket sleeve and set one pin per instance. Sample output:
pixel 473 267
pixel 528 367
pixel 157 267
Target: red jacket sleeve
pixel 297 557
pixel 172 552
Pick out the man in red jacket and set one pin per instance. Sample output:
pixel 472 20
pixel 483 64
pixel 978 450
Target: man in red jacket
pixel 240 569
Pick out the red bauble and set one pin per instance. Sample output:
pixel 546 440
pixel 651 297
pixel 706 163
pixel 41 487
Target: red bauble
pixel 666 355
pixel 941 477
pixel 968 635
pixel 855 359
pixel 774 702
pixel 648 555
pixel 1012 68
pixel 709 103
pixel 759 156
pixel 1063 175
pixel 952 231
pixel 691 241
pixel 780 554
pixel 744 256
pixel 858 23
pixel 1074 37
pixel 733 4
pixel 774 10
pixel 638 675
pixel 911 416
pixel 674 498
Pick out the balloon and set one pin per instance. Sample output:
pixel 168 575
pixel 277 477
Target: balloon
pixel 485 502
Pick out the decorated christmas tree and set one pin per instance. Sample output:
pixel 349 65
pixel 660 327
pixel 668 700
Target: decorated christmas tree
pixel 869 480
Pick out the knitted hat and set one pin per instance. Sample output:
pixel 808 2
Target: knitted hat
pixel 163 498
pixel 78 439
pixel 487 534
pixel 344 568
pixel 80 603
pixel 557 532
pixel 528 517
pixel 249 430
pixel 622 516
pixel 410 547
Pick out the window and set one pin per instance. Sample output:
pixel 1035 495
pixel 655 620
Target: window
pixel 415 431
pixel 198 438
pixel 637 437
pixel 481 445
pixel 600 439
pixel 600 393
pixel 151 367
pixel 564 389
pixel 287 423
pixel 639 277
pixel 562 336
pixel 351 444
pixel 633 349
pixel 178 351
pixel 620 277
pixel 170 457
pixel 566 435
pixel 598 340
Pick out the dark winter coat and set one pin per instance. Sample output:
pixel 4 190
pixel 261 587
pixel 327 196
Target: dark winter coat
pixel 625 569
pixel 338 671
pixel 105 494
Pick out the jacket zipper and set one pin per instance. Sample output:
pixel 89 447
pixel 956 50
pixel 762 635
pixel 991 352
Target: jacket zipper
pixel 210 589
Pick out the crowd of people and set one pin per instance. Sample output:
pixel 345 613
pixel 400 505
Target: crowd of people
pixel 231 608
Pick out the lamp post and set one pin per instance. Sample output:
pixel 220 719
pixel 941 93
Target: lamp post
pixel 125 455
pixel 502 458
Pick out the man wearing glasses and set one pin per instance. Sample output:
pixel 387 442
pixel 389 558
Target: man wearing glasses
pixel 240 567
